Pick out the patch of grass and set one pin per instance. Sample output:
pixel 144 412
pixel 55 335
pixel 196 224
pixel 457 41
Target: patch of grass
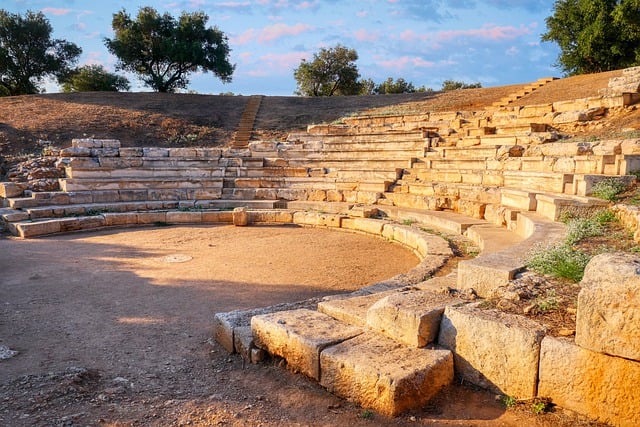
pixel 540 406
pixel 409 221
pixel 549 302
pixel 508 401
pixel 559 260
pixel 608 189
pixel 367 414
pixel 581 228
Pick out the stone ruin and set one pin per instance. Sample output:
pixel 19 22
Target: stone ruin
pixel 502 177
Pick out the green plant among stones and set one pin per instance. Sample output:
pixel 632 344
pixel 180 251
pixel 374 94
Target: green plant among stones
pixel 549 302
pixel 608 189
pixel 367 414
pixel 559 260
pixel 508 401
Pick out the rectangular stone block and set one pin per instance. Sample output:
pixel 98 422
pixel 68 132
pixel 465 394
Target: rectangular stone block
pixel 366 225
pixel 184 217
pixel 86 143
pixel 217 216
pixel 120 218
pixel 155 152
pixel 82 223
pixel 32 229
pixel 12 189
pixel 299 336
pixel 352 310
pixel 182 152
pixel 410 317
pixel 593 384
pixel 608 318
pixel 271 216
pixel 131 152
pixel 318 219
pixel 152 217
pixel 492 349
pixel 380 374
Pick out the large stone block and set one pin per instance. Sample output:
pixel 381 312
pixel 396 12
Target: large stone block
pixel 380 374
pixel 599 386
pixel 180 217
pixel 352 310
pixel 32 229
pixel 318 219
pixel 608 319
pixel 410 317
pixel 493 349
pixel 299 336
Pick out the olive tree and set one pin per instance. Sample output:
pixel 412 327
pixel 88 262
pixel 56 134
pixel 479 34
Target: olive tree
pixel 164 51
pixel 332 71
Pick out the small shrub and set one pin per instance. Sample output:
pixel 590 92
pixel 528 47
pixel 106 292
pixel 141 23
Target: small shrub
pixel 508 401
pixel 605 216
pixel 550 302
pixel 608 189
pixel 408 221
pixel 581 228
pixel 559 260
pixel 367 414
pixel 539 407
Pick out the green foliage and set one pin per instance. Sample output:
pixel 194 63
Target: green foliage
pixel 539 407
pixel 508 401
pixel 608 189
pixel 448 85
pixel 367 414
pixel 549 302
pixel 581 228
pixel 94 78
pixel 559 260
pixel 163 51
pixel 398 85
pixel 28 54
pixel 332 71
pixel 595 35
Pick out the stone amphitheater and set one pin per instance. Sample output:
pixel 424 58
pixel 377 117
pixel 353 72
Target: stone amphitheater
pixel 502 176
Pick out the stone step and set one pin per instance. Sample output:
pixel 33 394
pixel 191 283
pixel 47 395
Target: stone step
pixel 150 172
pixel 412 137
pixel 344 164
pixel 71 184
pixel 367 368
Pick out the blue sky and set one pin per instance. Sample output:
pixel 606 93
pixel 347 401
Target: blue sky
pixel 494 42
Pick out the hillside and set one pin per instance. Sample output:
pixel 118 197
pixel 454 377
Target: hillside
pixel 210 120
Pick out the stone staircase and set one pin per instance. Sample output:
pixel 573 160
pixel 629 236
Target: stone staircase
pixel 247 122
pixel 523 92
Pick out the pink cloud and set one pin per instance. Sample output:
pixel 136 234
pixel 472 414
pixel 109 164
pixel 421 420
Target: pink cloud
pixel 244 38
pixel 407 61
pixel 366 36
pixel 489 32
pixel 56 11
pixel 276 31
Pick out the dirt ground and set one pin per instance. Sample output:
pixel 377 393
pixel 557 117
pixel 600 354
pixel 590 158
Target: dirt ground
pixel 114 328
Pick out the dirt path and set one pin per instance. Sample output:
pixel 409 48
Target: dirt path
pixel 113 328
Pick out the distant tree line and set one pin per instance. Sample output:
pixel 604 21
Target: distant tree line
pixel 163 51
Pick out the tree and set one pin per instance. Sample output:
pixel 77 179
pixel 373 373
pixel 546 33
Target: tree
pixel 399 85
pixel 448 85
pixel 163 51
pixel 28 54
pixel 595 35
pixel 331 72
pixel 94 78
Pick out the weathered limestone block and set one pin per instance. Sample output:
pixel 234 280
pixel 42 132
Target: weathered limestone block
pixel 182 152
pixel 75 152
pixel 217 216
pixel 299 336
pixel 493 349
pixel 271 216
pixel 82 223
pixel 380 374
pixel 318 219
pixel 152 217
pixel 32 229
pixel 131 152
pixel 120 218
pixel 155 152
pixel 184 217
pixel 12 189
pixel 366 225
pixel 240 217
pixel 352 310
pixel 410 317
pixel 86 143
pixel 594 384
pixel 608 319
pixel 209 153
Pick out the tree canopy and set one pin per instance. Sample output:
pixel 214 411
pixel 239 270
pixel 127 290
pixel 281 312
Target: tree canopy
pixel 28 54
pixel 448 85
pixel 94 78
pixel 332 71
pixel 595 35
pixel 163 51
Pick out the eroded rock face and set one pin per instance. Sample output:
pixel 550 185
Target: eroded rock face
pixel 608 319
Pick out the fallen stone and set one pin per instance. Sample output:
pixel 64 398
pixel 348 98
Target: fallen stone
pixel 410 317
pixel 383 375
pixel 299 336
pixel 352 310
pixel 7 353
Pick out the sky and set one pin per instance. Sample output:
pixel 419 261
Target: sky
pixel 425 42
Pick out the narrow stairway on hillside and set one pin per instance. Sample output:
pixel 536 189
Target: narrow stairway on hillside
pixel 247 121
